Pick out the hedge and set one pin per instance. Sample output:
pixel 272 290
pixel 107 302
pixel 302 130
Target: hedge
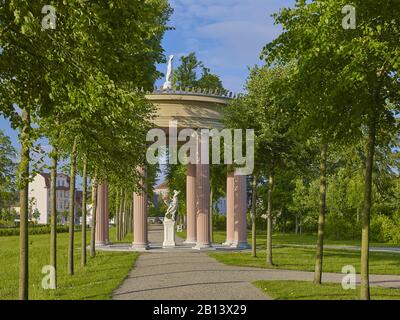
pixel 34 230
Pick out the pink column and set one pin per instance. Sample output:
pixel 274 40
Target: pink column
pixel 101 234
pixel 230 209
pixel 202 196
pixel 191 204
pixel 240 209
pixel 140 240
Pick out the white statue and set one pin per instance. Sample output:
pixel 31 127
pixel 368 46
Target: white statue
pixel 169 222
pixel 172 207
pixel 168 81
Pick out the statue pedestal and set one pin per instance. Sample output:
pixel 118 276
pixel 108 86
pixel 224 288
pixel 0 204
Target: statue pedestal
pixel 169 234
pixel 167 85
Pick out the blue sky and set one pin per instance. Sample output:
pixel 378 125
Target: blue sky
pixel 227 35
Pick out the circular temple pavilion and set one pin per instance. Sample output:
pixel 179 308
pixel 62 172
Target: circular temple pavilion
pixel 195 110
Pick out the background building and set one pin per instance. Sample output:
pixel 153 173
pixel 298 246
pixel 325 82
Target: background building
pixel 39 198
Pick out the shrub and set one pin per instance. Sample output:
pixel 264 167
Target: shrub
pixel 381 227
pixel 36 230
pixel 6 223
pixel 339 228
pixel 219 222
pixel 395 233
pixel 385 229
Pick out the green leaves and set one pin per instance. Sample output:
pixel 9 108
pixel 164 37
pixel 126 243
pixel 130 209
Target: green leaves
pixel 7 170
pixel 78 79
pixel 185 76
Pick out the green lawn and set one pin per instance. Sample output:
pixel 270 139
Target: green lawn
pixel 113 236
pixel 96 281
pixel 303 258
pixel 292 258
pixel 290 238
pixel 304 290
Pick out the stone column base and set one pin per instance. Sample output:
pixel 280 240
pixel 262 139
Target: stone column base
pixel 100 243
pixel 140 246
pixel 168 246
pixel 240 245
pixel 190 241
pixel 201 246
pixel 227 243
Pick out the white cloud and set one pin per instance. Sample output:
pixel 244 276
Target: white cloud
pixel 239 42
pixel 228 35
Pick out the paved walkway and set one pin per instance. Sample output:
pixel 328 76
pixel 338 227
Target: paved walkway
pixel 188 274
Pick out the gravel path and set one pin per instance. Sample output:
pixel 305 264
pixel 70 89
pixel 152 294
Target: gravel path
pixel 193 275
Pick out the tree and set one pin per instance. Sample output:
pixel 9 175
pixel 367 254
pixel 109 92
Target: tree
pixel 359 78
pixel 84 212
pixel 94 219
pixel 42 72
pixel 53 214
pixel 253 217
pixel 72 210
pixel 210 81
pixel 322 214
pixel 7 170
pixel 185 75
pixel 36 215
pixel 269 109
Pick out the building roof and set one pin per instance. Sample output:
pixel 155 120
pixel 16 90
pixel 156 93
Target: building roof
pixel 47 176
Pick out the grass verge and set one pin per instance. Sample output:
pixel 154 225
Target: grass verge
pixel 294 258
pixel 305 290
pixel 291 238
pixel 97 280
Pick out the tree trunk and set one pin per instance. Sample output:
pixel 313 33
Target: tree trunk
pixel 116 213
pixel 269 220
pixel 128 230
pixel 72 211
pixel 121 213
pixel 128 212
pixel 322 214
pixel 131 214
pixel 84 197
pixel 284 222
pixel 94 209
pixel 369 164
pixel 300 225
pixel 24 203
pixel 253 219
pixel 125 214
pixel 211 217
pixel 53 214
